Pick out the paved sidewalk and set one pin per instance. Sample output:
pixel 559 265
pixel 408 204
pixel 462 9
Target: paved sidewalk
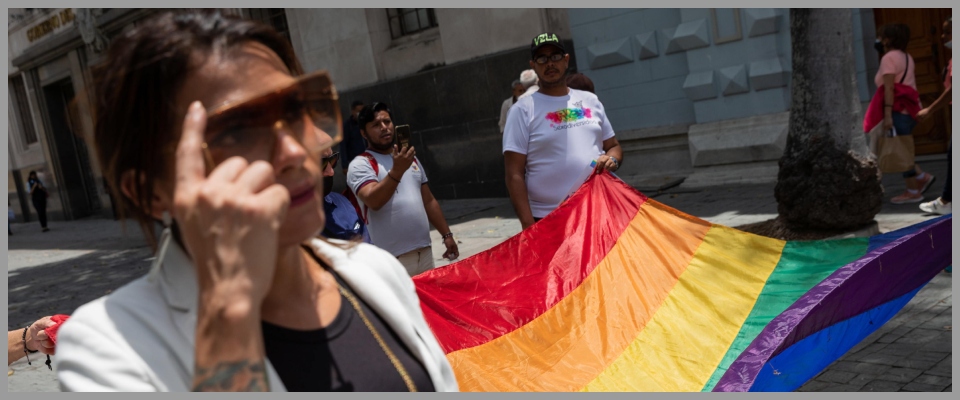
pixel 78 261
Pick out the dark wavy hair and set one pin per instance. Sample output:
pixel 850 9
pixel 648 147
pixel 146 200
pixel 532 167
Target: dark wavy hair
pixel 137 123
pixel 369 112
pixel 898 34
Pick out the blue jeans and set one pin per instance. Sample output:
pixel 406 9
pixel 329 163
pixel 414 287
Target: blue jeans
pixel 904 125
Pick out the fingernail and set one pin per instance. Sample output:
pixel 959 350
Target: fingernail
pixel 196 109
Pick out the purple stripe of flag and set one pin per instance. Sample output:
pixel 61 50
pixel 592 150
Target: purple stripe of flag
pixel 876 278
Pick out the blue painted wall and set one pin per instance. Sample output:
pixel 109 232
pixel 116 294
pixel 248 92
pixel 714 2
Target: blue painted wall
pixel 636 94
pixel 648 92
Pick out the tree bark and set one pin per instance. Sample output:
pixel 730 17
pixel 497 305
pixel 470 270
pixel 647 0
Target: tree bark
pixel 827 180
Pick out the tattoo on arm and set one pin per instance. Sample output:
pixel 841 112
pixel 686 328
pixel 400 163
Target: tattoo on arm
pixel 232 376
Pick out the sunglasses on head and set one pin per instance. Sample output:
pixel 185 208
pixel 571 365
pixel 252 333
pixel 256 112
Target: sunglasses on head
pixel 306 109
pixel 555 57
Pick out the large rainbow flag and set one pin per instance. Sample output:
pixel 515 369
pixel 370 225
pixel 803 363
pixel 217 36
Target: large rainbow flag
pixel 617 292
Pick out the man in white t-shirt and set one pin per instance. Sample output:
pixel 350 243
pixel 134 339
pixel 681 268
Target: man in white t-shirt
pixel 554 138
pixel 391 187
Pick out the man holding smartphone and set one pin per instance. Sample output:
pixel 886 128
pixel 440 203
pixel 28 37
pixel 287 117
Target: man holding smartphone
pixel 555 137
pixel 394 197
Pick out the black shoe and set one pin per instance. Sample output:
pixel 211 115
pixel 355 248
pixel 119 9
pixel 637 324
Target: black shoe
pixel 46 229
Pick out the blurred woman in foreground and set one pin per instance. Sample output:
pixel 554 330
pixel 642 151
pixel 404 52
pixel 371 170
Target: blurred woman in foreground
pixel 205 124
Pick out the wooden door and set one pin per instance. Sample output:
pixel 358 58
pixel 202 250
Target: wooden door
pixel 926 25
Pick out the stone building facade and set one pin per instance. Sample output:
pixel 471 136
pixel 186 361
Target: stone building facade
pixel 695 94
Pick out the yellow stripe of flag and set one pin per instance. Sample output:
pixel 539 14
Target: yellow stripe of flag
pixel 722 283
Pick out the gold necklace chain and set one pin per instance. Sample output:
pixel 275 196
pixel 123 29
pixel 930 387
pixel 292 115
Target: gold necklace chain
pixel 393 359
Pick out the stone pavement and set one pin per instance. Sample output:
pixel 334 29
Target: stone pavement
pixel 78 261
pixel 57 271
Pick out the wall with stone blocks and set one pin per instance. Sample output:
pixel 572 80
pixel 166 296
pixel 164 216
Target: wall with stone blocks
pixel 707 86
pixel 738 61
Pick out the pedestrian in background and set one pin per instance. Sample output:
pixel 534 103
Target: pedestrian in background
pixel 530 82
pixel 518 89
pixel 343 222
pixel 38 196
pixel 580 81
pixel 901 101
pixel 353 143
pixel 941 205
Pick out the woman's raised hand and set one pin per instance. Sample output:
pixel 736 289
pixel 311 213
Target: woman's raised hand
pixel 229 221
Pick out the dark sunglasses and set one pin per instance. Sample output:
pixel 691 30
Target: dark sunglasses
pixel 329 161
pixel 555 57
pixel 306 109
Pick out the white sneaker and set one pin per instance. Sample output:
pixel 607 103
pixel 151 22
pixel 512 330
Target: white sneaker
pixel 937 207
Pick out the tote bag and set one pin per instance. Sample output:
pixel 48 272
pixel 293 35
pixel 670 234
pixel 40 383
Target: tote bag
pixel 895 153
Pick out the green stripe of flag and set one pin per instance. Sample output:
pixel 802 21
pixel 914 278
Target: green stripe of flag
pixel 803 264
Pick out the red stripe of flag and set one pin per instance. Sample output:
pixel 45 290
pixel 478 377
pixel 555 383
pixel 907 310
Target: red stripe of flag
pixel 497 291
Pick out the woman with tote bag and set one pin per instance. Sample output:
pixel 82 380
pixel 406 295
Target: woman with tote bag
pixel 895 105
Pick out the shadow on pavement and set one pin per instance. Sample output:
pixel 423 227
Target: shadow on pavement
pixel 91 233
pixel 60 287
pixel 759 198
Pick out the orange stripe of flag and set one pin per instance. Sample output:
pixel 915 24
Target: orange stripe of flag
pixel 571 343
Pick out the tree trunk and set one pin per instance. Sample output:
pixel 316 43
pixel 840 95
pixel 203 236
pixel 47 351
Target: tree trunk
pixel 827 179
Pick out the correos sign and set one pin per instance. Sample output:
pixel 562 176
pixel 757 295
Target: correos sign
pixel 51 24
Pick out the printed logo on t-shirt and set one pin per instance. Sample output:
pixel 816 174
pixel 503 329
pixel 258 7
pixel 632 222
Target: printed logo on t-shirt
pixel 567 118
pixel 415 167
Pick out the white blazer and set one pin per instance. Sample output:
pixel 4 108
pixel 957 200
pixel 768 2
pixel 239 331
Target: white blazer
pixel 141 337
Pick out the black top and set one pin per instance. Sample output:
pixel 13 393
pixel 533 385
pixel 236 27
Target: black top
pixel 353 143
pixel 344 356
pixel 38 193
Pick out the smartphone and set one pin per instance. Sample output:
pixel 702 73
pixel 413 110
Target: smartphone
pixel 402 136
